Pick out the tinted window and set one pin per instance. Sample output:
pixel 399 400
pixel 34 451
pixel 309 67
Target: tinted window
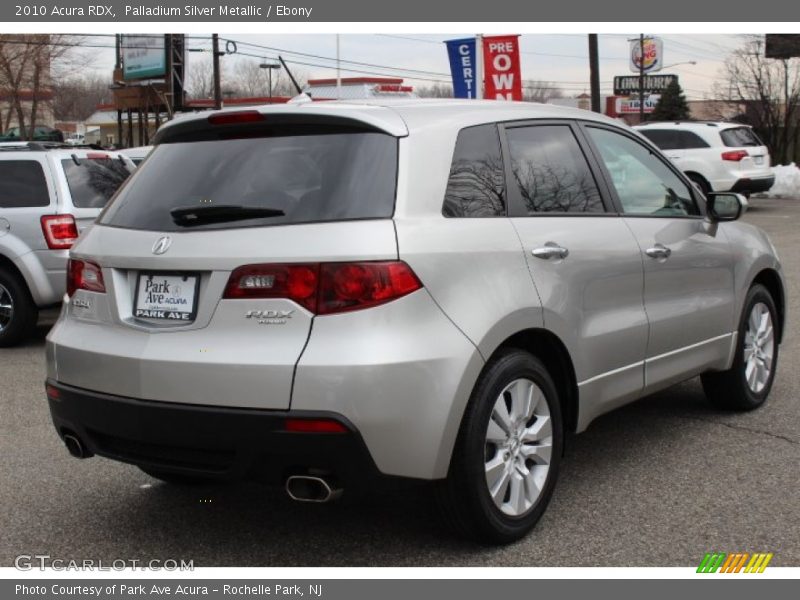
pixel 739 136
pixel 689 141
pixel 666 139
pixel 22 184
pixel 550 170
pixel 93 181
pixel 476 185
pixel 644 184
pixel 314 177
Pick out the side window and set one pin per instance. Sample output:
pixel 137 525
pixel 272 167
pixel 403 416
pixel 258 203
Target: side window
pixel 644 183
pixel 22 184
pixel 666 139
pixel 551 172
pixel 476 186
pixel 691 141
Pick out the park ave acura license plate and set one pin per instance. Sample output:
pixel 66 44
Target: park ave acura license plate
pixel 168 297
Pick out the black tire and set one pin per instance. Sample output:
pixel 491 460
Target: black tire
pixel 701 182
pixel 176 478
pixel 464 498
pixel 24 312
pixel 729 390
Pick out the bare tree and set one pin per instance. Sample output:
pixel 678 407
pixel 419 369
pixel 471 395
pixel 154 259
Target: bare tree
pixel 768 92
pixel 200 77
pixel 28 65
pixel 76 98
pixel 534 90
pixel 437 90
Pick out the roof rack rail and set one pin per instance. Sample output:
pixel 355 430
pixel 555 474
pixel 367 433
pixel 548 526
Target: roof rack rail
pixel 44 146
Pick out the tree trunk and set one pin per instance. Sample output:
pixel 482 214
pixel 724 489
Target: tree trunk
pixel 37 76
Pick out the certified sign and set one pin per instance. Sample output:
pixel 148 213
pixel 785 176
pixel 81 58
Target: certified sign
pixel 653 54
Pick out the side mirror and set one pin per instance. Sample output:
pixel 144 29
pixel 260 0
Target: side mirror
pixel 725 206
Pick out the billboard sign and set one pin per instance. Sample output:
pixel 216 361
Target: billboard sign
pixel 653 54
pixel 501 68
pixel 629 106
pixel 462 67
pixel 625 85
pixel 782 45
pixel 143 57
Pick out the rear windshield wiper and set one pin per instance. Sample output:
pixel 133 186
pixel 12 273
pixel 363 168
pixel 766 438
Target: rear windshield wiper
pixel 190 216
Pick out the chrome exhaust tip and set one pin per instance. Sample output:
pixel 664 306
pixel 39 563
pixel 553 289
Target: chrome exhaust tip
pixel 307 488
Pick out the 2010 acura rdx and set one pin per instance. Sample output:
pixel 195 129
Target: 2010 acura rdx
pixel 330 295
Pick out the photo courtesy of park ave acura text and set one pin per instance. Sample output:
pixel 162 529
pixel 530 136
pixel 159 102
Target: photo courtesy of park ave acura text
pixel 390 297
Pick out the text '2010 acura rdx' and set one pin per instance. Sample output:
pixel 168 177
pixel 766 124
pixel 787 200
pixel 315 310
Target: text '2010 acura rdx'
pixel 326 296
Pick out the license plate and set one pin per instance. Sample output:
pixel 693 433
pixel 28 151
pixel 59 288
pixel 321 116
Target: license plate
pixel 166 297
pixel 759 160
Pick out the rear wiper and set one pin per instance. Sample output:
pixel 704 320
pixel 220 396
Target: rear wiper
pixel 190 216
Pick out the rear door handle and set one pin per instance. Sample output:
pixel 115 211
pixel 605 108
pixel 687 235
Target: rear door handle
pixel 550 250
pixel 658 251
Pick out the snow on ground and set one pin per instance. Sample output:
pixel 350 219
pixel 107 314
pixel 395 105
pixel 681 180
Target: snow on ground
pixel 787 181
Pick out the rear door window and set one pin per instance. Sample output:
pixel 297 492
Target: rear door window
pixel 691 141
pixel 22 184
pixel 550 171
pixel 92 181
pixel 737 137
pixel 666 139
pixel 282 179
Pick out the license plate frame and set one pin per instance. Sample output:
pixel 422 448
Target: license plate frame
pixel 171 314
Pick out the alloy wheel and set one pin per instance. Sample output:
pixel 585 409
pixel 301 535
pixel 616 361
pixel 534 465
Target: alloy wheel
pixel 759 347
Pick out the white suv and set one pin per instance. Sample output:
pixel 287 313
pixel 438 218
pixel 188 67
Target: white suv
pixel 717 156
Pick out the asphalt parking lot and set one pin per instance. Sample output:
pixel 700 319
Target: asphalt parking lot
pixel 657 483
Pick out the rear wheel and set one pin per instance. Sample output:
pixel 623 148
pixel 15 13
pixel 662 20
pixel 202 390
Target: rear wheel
pixel 18 313
pixel 747 383
pixel 506 459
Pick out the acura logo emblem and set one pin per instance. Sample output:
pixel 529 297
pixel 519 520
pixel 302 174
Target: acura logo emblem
pixel 162 245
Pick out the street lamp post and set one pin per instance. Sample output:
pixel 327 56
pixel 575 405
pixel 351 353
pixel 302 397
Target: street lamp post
pixel 269 66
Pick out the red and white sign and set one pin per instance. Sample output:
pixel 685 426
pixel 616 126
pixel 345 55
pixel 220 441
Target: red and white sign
pixel 501 68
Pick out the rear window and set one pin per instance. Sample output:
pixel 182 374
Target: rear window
pixel 22 184
pixel 737 137
pixel 302 178
pixel 92 181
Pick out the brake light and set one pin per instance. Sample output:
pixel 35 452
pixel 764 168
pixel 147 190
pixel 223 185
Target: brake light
pixel 314 426
pixel 735 155
pixel 234 117
pixel 96 155
pixel 60 231
pixel 325 288
pixel 84 275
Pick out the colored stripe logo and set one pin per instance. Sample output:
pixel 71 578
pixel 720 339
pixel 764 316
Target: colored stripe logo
pixel 736 562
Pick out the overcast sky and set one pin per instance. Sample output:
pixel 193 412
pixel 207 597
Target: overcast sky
pixel 561 59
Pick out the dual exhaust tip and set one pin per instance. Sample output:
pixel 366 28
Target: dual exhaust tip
pixel 302 488
pixel 308 488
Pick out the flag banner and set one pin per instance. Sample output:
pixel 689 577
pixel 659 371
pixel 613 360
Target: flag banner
pixel 501 68
pixel 462 67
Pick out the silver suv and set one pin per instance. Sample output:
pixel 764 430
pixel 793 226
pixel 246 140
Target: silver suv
pixel 329 296
pixel 48 194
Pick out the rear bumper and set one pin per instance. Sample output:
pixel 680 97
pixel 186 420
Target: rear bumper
pixel 753 185
pixel 214 442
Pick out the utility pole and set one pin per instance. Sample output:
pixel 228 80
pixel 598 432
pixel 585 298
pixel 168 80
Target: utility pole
pixel 338 71
pixel 594 73
pixel 117 69
pixel 641 78
pixel 217 77
pixel 479 69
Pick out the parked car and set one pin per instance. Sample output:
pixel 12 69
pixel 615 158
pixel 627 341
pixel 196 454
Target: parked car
pixel 717 156
pixel 137 154
pixel 330 296
pixel 41 133
pixel 48 195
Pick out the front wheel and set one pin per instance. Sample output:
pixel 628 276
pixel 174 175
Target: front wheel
pixel 747 383
pixel 505 463
pixel 18 313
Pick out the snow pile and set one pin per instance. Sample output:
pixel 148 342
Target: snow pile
pixel 787 181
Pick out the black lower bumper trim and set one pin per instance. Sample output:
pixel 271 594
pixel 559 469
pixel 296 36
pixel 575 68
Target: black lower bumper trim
pixel 209 441
pixel 753 186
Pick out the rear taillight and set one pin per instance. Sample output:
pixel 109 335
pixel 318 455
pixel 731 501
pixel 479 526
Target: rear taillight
pixel 84 275
pixel 325 288
pixel 60 231
pixel 735 155
pixel 314 426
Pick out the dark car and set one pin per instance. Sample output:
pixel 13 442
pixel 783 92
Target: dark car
pixel 41 133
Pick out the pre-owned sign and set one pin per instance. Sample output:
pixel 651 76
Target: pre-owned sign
pixel 502 77
pixel 625 85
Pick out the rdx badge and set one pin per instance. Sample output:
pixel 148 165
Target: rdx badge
pixel 269 317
